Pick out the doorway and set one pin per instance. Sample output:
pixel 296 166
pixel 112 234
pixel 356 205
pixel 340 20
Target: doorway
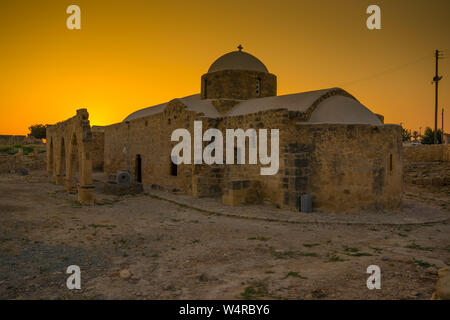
pixel 138 168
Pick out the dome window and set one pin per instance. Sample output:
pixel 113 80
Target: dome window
pixel 258 87
pixel 205 87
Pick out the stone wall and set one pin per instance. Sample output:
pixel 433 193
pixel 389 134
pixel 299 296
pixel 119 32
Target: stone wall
pixel 98 150
pixel 149 139
pixel 238 84
pixel 7 140
pixel 270 185
pixel 11 163
pixel 446 153
pixel 426 153
pixel 344 167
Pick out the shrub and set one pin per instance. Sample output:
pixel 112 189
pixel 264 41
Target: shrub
pixel 428 137
pixel 38 131
pixel 27 149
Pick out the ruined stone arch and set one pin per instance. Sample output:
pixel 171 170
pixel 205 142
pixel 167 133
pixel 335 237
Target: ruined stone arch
pixel 72 157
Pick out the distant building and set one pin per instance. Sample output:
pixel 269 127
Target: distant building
pixel 446 138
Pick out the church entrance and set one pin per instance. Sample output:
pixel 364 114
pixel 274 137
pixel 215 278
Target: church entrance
pixel 138 168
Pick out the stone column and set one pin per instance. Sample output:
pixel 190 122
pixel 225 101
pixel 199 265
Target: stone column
pixel 60 169
pixel 50 161
pixel 71 181
pixel 85 187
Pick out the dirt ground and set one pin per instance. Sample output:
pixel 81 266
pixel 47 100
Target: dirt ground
pixel 142 247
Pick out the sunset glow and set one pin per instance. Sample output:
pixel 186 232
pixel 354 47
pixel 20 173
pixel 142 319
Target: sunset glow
pixel 133 54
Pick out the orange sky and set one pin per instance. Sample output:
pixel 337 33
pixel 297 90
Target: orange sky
pixel 137 53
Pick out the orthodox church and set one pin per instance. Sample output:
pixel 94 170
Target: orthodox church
pixel 331 147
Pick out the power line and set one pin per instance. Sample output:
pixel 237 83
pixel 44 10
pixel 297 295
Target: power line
pixel 394 69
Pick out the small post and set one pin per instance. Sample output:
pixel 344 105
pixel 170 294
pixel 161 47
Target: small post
pixel 306 203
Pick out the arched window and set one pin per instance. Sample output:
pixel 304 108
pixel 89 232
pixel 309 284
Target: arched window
pixel 258 87
pixel 390 163
pixel 205 88
pixel 138 168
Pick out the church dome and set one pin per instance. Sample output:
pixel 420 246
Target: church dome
pixel 238 60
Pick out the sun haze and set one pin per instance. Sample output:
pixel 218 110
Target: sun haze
pixel 133 54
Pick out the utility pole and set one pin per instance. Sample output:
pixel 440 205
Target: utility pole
pixel 436 80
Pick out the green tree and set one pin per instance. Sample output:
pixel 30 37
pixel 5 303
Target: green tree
pixel 38 131
pixel 428 136
pixel 406 135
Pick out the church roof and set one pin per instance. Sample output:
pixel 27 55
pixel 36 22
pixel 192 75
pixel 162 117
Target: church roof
pixel 294 102
pixel 332 105
pixel 146 112
pixel 342 109
pixel 195 103
pixel 192 103
pixel 329 107
pixel 237 60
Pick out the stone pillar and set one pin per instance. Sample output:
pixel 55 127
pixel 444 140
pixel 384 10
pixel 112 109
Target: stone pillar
pixel 70 184
pixel 71 181
pixel 85 187
pixel 60 164
pixel 50 161
pixel 60 167
pixel 86 194
pixel 59 179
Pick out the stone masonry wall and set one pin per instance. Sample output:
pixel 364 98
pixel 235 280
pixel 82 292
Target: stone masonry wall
pixel 344 167
pixel 6 140
pixel 98 146
pixel 426 153
pixel 238 84
pixel 272 119
pixel 149 137
pixel 11 163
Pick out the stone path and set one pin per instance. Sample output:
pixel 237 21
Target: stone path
pixel 413 213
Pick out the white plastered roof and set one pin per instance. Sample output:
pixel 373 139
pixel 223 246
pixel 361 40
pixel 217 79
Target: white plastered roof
pixel 336 108
pixel 238 60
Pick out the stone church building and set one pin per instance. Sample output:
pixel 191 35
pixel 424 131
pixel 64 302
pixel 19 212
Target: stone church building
pixel 331 146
